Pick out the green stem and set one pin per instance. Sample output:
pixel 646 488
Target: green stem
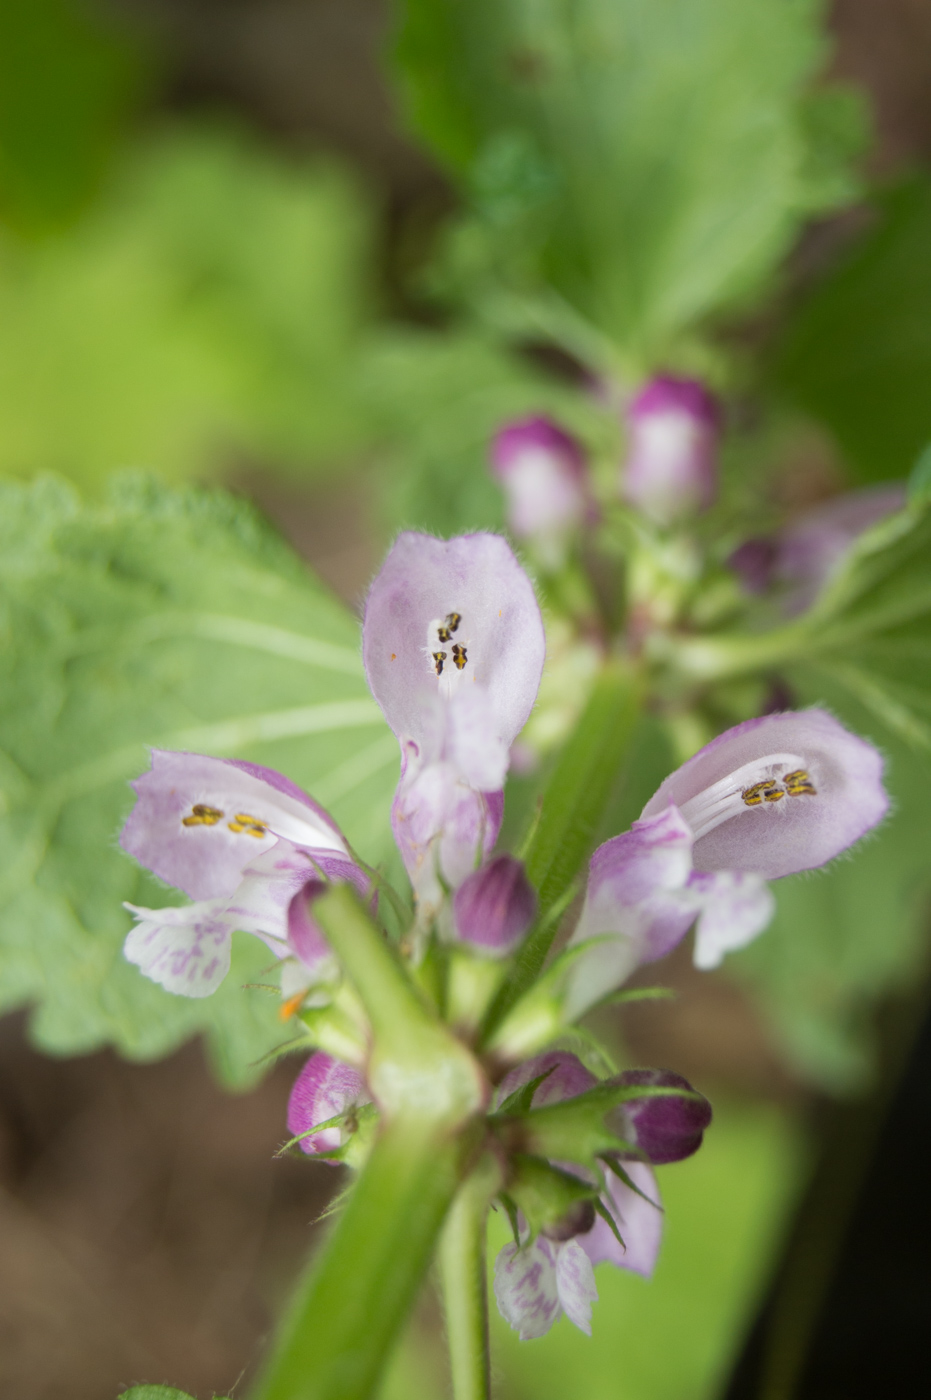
pixel 352 1302
pixel 573 805
pixel 463 1272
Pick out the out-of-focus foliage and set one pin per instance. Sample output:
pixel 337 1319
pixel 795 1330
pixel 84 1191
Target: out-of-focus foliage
pixel 857 350
pixel 66 82
pixel 436 400
pixel 724 1211
pixel 206 311
pixel 635 166
pixel 173 620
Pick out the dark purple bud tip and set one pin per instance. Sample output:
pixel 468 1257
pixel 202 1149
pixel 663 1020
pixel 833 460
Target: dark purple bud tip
pixel 578 1220
pixel 666 1128
pixel 495 905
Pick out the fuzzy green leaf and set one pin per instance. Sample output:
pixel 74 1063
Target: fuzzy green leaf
pixel 648 161
pixel 169 619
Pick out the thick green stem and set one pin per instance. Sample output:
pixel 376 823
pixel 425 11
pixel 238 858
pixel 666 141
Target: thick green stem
pixel 463 1273
pixel 353 1301
pixel 573 805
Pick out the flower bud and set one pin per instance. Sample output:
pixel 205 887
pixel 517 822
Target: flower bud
pixel 495 906
pixel 324 1089
pixel 665 1128
pixel 671 469
pixel 543 474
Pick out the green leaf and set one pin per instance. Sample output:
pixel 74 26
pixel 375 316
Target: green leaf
pixel 647 161
pixel 856 354
pixel 67 75
pixel 157 618
pixel 206 310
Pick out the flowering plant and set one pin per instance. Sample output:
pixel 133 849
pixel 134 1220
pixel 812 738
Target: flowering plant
pixel 438 1025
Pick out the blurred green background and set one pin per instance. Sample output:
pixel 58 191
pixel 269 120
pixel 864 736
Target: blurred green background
pixel 315 252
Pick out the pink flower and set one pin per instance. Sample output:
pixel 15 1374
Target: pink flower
pixel 775 795
pixel 671 467
pixel 543 473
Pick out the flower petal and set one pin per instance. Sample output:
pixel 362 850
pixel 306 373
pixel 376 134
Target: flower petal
pixel 567 1077
pixel 639 1222
pixel 324 1088
pixel 442 827
pixel 575 1284
pixel 734 907
pixel 542 470
pixel 526 1289
pixel 671 469
pixel 198 821
pixel 799 832
pixel 186 950
pixel 477 581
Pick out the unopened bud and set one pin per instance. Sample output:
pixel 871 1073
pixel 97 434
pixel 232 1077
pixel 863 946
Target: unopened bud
pixel 495 906
pixel 543 473
pixel 671 468
pixel 669 1127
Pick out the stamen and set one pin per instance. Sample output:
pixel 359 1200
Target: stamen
pixel 249 826
pixel 763 782
pixel 438 658
pixel 451 625
pixel 459 657
pixel 202 815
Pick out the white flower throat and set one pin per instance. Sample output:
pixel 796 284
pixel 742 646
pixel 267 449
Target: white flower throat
pixel 763 784
pixel 448 651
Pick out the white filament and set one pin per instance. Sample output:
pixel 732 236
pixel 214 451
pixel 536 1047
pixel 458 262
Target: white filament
pixel 723 800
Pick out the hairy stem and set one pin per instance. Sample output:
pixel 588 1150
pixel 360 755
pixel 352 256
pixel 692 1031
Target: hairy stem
pixel 352 1302
pixel 464 1278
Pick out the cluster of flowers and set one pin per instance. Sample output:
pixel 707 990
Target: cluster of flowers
pixel 670 474
pixel 453 646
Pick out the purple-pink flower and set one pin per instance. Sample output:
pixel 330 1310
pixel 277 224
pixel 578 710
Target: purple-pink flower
pixel 671 467
pixel 543 473
pixel 453 645
pixel 541 1278
pixel 244 843
pixel 800 559
pixel 494 906
pixel 324 1089
pixel 773 796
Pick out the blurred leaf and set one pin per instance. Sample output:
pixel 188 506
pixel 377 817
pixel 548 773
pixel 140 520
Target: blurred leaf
pixel 857 353
pixel 66 80
pixel 154 1392
pixel 169 619
pixel 437 401
pixel 649 161
pixel 205 312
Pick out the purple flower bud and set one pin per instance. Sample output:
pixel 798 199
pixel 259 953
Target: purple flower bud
pixel 811 548
pixel 495 905
pixel 543 473
pixel 324 1089
pixel 671 469
pixel 667 1129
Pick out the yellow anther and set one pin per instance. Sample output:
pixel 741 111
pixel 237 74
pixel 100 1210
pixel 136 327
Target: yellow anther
pixel 459 657
pixel 450 626
pixel 767 791
pixel 249 826
pixel 799 784
pixel 438 658
pixel 202 815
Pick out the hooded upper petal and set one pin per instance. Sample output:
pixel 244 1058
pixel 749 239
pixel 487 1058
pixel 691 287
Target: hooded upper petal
pixel 199 821
pixel 778 794
pixel 443 615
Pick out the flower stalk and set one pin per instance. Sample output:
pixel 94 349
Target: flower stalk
pixel 463 1275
